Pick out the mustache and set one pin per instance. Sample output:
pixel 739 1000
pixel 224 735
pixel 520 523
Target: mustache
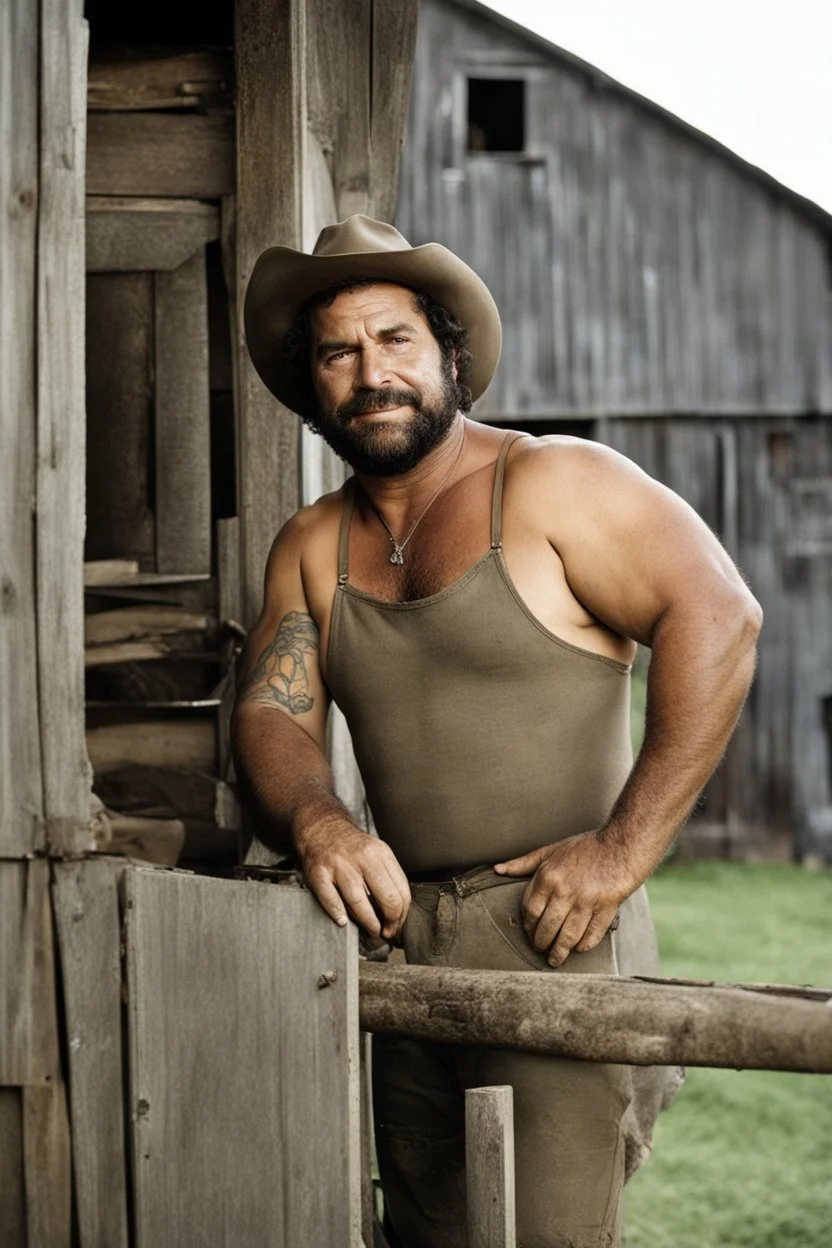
pixel 374 400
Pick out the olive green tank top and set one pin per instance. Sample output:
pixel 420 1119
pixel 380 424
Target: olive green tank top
pixel 479 734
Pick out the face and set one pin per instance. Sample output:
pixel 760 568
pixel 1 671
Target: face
pixel 386 395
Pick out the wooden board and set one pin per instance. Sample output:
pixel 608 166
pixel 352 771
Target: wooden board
pixel 138 234
pixel 151 154
pixel 183 435
pixel 21 825
pixel 339 38
pixel 162 743
pixel 131 623
pixel 28 1015
pixel 13 1200
pixel 169 79
pixel 270 50
pixel 489 1167
pixel 241 1064
pixel 47 1166
pixel 393 48
pixel 86 912
pixel 166 791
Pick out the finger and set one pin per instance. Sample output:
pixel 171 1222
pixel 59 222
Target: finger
pixel 596 930
pixel 572 929
pixel 550 922
pixel 386 894
pixel 394 924
pixel 328 896
pixel 355 894
pixel 527 864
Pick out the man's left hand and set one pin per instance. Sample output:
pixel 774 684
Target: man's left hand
pixel 576 887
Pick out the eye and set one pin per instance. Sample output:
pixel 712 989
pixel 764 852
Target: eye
pixel 337 355
pixel 398 339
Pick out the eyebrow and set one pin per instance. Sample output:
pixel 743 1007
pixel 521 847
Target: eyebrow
pixel 324 348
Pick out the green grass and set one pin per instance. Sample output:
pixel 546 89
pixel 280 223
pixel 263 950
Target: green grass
pixel 742 1159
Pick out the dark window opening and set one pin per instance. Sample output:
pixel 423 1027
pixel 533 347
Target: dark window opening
pixel 496 115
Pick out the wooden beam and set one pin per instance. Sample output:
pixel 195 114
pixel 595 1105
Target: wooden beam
pixel 183 434
pixel 132 623
pixel 13 1204
pixel 270 49
pixel 120 81
pixel 489 1167
pixel 47 1166
pixel 393 50
pixel 600 1018
pixel 125 235
pixel 153 154
pixel 21 795
pixel 339 51
pixel 89 937
pixel 155 743
pixel 29 1052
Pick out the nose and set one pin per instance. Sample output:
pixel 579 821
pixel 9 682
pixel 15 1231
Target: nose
pixel 373 373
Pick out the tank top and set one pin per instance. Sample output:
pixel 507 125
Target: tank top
pixel 479 733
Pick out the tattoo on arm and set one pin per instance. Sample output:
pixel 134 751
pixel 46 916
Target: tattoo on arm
pixel 280 676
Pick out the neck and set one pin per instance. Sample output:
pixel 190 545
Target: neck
pixel 402 494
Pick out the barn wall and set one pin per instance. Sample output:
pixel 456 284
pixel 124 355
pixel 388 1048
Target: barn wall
pixel 638 271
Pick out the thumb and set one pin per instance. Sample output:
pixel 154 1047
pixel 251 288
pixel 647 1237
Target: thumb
pixel 527 864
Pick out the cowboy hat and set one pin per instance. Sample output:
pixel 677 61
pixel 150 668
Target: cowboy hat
pixel 283 279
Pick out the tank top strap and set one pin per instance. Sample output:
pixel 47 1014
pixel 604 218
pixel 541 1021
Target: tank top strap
pixel 497 495
pixel 344 534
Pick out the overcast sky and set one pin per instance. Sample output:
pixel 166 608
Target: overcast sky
pixel 755 75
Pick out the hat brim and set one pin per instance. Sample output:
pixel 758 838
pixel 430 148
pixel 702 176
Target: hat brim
pixel 283 280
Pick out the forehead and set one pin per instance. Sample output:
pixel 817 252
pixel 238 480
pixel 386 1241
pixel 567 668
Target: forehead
pixel 375 305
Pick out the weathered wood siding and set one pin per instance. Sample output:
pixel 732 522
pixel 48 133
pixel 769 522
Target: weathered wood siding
pixel 638 270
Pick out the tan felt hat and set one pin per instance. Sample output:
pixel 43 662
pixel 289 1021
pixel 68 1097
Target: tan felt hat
pixel 283 279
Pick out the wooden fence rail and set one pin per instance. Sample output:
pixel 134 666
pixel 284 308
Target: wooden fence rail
pixel 604 1018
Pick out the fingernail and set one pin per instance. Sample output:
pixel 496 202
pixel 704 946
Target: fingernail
pixel 342 920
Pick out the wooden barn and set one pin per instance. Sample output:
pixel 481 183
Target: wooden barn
pixel 661 295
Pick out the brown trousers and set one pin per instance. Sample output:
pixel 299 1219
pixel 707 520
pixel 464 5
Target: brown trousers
pixel 569 1116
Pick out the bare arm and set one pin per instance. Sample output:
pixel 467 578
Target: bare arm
pixel 278 733
pixel 643 563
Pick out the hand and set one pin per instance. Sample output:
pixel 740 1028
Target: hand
pixel 349 870
pixel 576 887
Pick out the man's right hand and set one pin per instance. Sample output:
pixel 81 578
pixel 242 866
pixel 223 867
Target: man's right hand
pixel 348 871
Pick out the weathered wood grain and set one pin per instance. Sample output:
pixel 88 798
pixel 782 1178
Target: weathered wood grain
pixel 339 41
pixel 394 24
pixel 182 431
pixel 130 623
pixel 639 1023
pixel 150 154
pixel 119 381
pixel 86 912
pixel 169 790
pixel 489 1167
pixel 262 1088
pixel 13 1200
pixel 160 743
pixel 47 1166
pixel 124 235
pixel 28 1015
pixel 228 569
pixel 270 52
pixel 143 837
pixel 21 797
pixel 171 79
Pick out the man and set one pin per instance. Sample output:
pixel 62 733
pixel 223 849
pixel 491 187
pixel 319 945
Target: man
pixel 472 601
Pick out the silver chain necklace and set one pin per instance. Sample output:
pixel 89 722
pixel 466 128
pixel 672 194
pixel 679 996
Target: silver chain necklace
pixel 397 555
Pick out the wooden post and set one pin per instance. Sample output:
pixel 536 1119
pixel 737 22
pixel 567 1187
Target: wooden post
pixel 489 1167
pixel 604 1018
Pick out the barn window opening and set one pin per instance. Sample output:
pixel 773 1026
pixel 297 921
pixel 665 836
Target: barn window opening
pixel 496 115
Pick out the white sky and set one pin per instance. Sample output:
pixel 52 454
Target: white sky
pixel 754 74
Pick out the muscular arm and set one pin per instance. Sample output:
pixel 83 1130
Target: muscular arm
pixel 644 564
pixel 278 733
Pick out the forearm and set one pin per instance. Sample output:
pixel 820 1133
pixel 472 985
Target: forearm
pixel 285 774
pixel 701 668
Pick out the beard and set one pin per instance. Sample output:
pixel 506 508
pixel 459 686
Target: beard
pixel 390 448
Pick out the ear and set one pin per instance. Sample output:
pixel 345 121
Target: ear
pixel 455 367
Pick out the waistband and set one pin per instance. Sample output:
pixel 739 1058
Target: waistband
pixel 464 884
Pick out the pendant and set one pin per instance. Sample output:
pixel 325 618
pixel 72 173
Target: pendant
pixel 397 555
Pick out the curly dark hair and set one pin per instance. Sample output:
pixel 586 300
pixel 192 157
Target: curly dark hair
pixel 449 333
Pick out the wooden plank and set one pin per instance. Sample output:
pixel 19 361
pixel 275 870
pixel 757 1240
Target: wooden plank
pixel 270 49
pixel 138 234
pixel 339 84
pixel 152 154
pixel 639 1023
pixel 21 798
pixel 125 81
pixel 166 791
pixel 394 27
pixel 159 841
pixel 98 572
pixel 86 912
pixel 129 623
pixel 489 1167
pixel 183 434
pixel 13 1201
pixel 228 569
pixel 281 1122
pixel 160 743
pixel 47 1167
pixel 28 1015
pixel 119 389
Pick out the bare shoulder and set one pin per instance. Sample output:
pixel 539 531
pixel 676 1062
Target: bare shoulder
pixel 571 463
pixel 308 533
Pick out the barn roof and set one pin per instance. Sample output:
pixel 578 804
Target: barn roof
pixel 603 82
